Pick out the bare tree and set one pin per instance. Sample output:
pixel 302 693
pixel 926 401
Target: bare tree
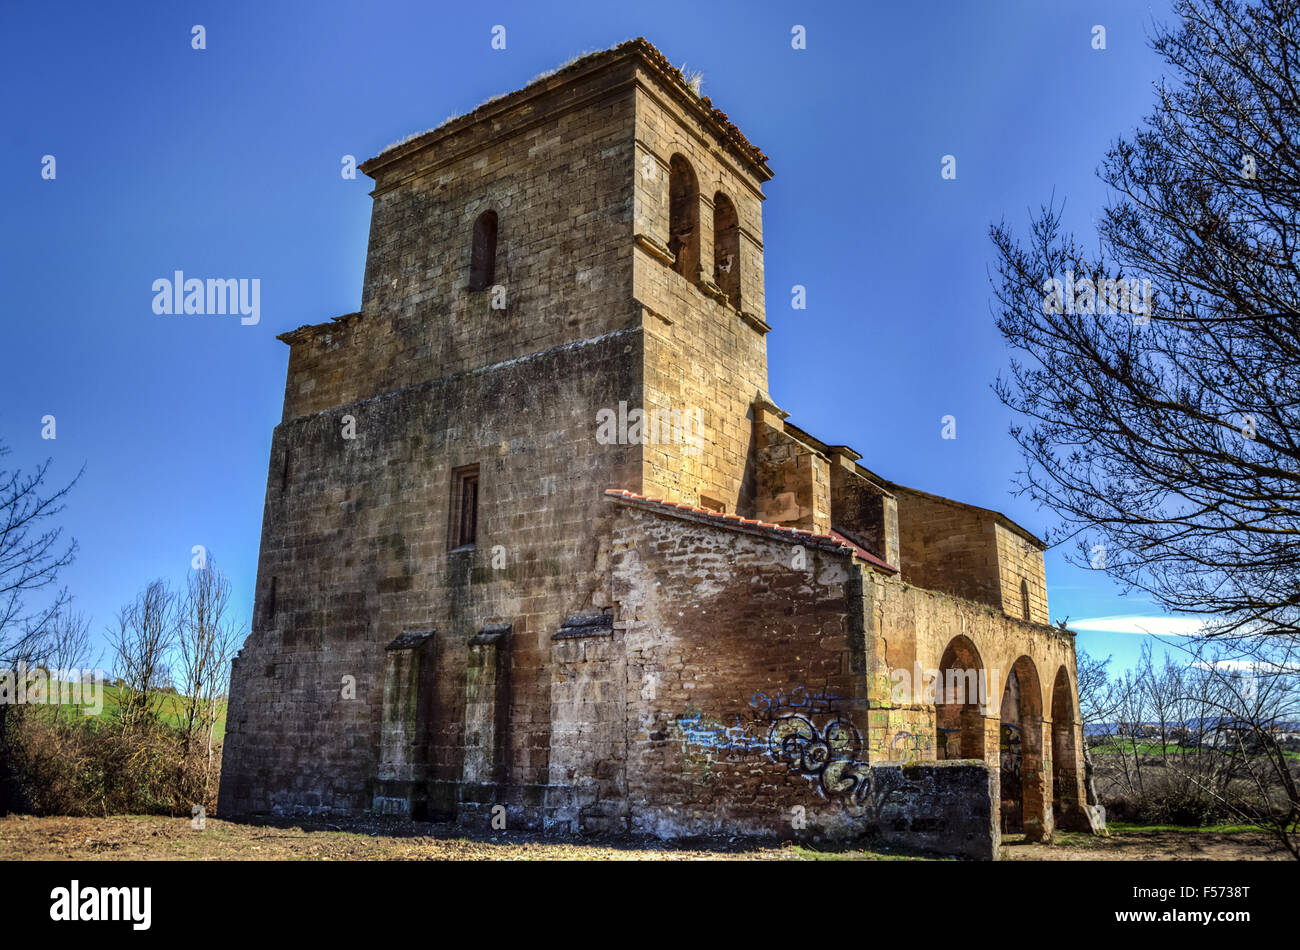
pixel 142 643
pixel 207 640
pixel 1210 738
pixel 1096 699
pixel 1097 706
pixel 67 644
pixel 1129 727
pixel 1244 704
pixel 31 555
pixel 1164 427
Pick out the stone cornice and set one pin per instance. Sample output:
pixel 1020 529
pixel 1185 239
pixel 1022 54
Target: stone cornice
pixel 670 80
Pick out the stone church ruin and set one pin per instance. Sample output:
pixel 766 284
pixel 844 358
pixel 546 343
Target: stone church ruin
pixel 466 599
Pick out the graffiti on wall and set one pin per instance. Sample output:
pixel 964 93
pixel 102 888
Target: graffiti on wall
pixel 828 753
pixel 807 732
pixel 1012 753
pixel 949 743
pixel 733 740
pixel 800 699
pixel 908 746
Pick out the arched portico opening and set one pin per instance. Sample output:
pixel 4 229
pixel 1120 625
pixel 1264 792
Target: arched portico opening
pixel 1065 769
pixel 959 692
pixel 1021 753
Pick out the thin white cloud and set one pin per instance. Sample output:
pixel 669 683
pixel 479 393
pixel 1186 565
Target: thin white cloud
pixel 1232 666
pixel 1139 625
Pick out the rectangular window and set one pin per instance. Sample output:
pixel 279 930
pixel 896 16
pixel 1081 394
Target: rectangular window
pixel 464 507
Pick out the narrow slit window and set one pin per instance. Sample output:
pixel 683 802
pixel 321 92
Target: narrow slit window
pixel 1024 597
pixel 483 252
pixel 270 602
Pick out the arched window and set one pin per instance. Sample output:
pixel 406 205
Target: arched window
pixel 683 217
pixel 483 254
pixel 726 248
pixel 1024 596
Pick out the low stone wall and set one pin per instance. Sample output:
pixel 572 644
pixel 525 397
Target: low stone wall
pixel 945 807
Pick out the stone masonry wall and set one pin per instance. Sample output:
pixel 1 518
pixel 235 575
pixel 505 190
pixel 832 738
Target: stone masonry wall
pixel 947 546
pixel 355 551
pixel 941 807
pixel 356 533
pixel 792 486
pixel 592 664
pixel 701 354
pixel 862 510
pixel 1021 561
pixel 909 629
pixel 558 171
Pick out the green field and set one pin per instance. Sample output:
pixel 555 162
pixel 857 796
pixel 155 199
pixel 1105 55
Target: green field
pixel 1124 827
pixel 1116 746
pixel 172 709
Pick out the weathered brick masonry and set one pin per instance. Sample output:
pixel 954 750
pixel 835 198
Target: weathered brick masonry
pixel 486 580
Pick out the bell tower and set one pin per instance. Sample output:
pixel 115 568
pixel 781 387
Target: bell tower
pixel 698 280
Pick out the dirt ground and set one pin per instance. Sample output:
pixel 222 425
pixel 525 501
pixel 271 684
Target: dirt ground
pixel 155 838
pixel 1149 845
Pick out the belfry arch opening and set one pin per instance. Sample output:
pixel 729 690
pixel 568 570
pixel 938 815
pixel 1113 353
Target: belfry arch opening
pixel 684 217
pixel 726 248
pixel 1020 750
pixel 958 712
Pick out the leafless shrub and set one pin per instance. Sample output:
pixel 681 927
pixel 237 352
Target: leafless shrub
pixel 142 643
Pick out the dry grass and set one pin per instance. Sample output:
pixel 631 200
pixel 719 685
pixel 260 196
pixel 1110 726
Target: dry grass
pixel 145 838
pixel 131 837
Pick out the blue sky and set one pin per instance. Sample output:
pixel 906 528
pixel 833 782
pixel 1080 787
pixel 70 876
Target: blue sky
pixel 226 162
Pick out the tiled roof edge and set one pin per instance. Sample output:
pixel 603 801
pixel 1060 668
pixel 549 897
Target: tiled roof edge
pixel 825 542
